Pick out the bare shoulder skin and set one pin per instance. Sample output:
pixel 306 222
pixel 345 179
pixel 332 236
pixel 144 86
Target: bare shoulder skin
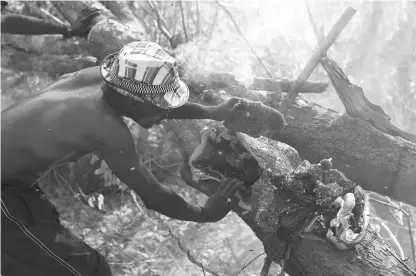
pixel 57 126
pixel 72 117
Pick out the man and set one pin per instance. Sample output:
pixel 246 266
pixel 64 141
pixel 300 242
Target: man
pixel 29 25
pixel 79 114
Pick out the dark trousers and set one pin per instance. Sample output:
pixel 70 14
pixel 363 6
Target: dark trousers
pixel 33 241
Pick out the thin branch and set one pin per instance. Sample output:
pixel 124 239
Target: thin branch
pixel 412 240
pixel 227 240
pixel 191 257
pixel 52 16
pixel 190 20
pixel 266 266
pixel 315 29
pixel 174 25
pixel 190 17
pixel 198 20
pixel 409 224
pixel 161 23
pixel 245 39
pixel 214 23
pixel 183 21
pixel 250 263
pixel 141 16
pixel 208 38
pixel 391 223
pixel 393 238
pixel 158 14
pixel 391 205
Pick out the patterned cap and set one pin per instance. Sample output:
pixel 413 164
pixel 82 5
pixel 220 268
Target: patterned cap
pixel 144 71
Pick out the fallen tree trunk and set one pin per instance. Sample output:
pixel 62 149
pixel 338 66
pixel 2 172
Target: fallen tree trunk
pixel 377 161
pixel 53 64
pixel 315 132
pixel 312 254
pixel 51 44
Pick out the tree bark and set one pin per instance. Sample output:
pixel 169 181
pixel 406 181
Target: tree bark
pixel 54 65
pixel 51 44
pixel 369 157
pixel 311 255
pixel 377 161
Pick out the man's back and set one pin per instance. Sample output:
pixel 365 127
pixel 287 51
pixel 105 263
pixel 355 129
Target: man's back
pixel 53 127
pixel 76 115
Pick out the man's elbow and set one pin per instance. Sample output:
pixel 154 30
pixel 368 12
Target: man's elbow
pixel 151 205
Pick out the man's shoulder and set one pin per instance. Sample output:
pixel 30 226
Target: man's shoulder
pixel 88 77
pixel 109 127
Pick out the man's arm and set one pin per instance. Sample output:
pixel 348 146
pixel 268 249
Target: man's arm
pixel 122 159
pixel 192 110
pixel 28 25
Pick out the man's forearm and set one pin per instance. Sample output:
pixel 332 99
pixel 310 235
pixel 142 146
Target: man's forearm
pixel 27 25
pixel 172 205
pixel 165 201
pixel 192 110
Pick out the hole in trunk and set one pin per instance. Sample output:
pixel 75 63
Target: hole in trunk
pixel 221 155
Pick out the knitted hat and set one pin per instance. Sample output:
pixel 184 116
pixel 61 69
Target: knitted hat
pixel 144 71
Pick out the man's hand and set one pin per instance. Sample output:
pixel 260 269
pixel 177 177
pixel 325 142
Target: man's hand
pixel 84 23
pixel 224 110
pixel 222 201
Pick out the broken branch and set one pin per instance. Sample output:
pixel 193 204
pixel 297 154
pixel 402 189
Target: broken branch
pixel 352 96
pixel 183 21
pixel 316 58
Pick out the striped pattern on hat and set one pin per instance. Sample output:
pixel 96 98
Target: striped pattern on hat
pixel 146 71
pixel 146 62
pixel 133 86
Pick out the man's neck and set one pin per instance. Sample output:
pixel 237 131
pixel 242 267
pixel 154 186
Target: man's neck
pixel 117 102
pixel 124 105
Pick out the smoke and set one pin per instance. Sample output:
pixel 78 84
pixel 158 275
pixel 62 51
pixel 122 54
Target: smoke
pixel 368 49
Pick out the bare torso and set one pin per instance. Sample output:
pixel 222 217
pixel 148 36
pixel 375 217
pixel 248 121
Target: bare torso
pixel 57 126
pixel 71 118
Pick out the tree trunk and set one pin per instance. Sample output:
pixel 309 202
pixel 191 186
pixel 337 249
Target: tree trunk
pixel 275 205
pixel 311 255
pixel 55 65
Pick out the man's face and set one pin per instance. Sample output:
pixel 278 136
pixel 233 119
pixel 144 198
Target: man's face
pixel 150 121
pixel 148 115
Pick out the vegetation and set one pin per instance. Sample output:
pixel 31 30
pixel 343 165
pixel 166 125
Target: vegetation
pixel 377 50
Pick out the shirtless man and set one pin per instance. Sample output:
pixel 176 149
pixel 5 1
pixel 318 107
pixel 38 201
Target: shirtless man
pixel 79 114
